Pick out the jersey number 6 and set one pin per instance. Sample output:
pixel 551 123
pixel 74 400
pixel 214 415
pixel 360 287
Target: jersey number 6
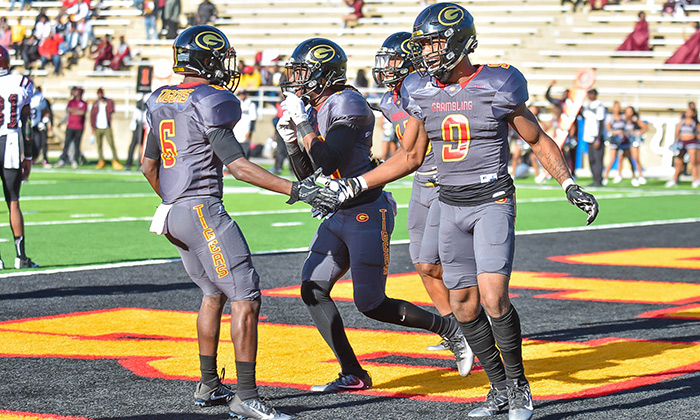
pixel 166 130
pixel 455 128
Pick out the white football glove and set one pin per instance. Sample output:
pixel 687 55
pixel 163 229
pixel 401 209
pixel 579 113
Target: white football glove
pixel 286 128
pixel 294 105
pixel 347 188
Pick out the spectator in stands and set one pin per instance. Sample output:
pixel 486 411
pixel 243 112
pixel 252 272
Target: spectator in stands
pixel 42 28
pixel 361 82
pixel 137 130
pixel 250 77
pixel 554 101
pixel 206 13
pixel 355 14
pixel 30 51
pixel 122 55
pixel 18 33
pixel 171 18
pixel 575 3
pixel 635 128
pixel 103 54
pixel 49 50
pixel 101 123
pixel 689 52
pixel 593 114
pixel 6 36
pixel 281 149
pixel 243 130
pixel 570 146
pixel 39 106
pixel 75 117
pixel 149 19
pixel 638 40
pixel 84 27
pixel 687 142
pixel 674 8
pixel 69 47
pixel 617 142
pixel 22 3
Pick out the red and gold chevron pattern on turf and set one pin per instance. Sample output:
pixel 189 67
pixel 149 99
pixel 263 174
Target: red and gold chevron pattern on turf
pixel 686 258
pixel 691 312
pixel 409 287
pixel 159 343
pixel 21 415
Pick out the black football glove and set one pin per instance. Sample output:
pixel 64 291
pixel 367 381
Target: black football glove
pixel 323 200
pixel 584 201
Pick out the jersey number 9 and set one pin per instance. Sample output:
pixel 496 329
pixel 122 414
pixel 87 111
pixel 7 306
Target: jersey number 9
pixel 455 128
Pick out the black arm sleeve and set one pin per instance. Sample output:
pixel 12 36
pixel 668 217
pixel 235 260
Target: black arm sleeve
pixel 548 96
pixel 299 161
pixel 339 142
pixel 225 145
pixel 152 151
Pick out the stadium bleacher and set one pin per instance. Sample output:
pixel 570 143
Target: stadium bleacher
pixel 544 39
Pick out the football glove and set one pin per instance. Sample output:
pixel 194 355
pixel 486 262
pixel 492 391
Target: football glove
pixel 294 105
pixel 286 129
pixel 346 188
pixel 323 200
pixel 584 201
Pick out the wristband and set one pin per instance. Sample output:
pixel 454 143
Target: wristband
pixel 363 183
pixel 304 128
pixel 567 183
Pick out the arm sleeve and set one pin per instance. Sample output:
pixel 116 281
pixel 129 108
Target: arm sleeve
pixel 548 96
pixel 299 161
pixel 339 141
pixel 152 151
pixel 225 145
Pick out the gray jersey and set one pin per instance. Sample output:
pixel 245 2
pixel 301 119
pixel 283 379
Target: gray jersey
pixel 466 124
pixel 392 109
pixel 180 117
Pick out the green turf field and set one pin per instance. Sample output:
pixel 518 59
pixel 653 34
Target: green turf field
pixel 93 217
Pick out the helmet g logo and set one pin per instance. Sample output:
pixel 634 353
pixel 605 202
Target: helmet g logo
pixel 450 16
pixel 209 41
pixel 322 53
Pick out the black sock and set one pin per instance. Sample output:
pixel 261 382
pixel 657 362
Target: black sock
pixel 506 330
pixel 400 312
pixel 19 247
pixel 207 365
pixel 480 338
pixel 245 373
pixel 316 296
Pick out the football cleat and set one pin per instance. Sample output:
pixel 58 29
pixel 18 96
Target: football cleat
pixel 345 383
pixel 496 401
pixel 441 346
pixel 24 263
pixel 204 396
pixel 2 265
pixel 463 353
pixel 519 400
pixel 254 409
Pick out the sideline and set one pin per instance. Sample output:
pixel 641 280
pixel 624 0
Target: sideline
pixel 306 249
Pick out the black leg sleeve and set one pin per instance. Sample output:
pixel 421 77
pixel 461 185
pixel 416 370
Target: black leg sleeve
pixel 400 312
pixel 481 339
pixel 316 296
pixel 506 330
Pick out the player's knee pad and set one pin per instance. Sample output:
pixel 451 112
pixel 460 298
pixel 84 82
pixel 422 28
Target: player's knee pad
pixel 314 293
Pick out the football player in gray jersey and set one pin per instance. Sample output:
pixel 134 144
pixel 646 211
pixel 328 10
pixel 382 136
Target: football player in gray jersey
pixel 463 110
pixel 393 62
pixel 190 140
pixel 335 134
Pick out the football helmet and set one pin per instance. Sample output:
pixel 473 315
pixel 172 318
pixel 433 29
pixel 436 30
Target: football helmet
pixel 204 51
pixel 4 61
pixel 394 60
pixel 315 64
pixel 443 33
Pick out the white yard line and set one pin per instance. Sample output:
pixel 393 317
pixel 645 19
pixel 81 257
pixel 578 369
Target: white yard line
pixel 305 249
